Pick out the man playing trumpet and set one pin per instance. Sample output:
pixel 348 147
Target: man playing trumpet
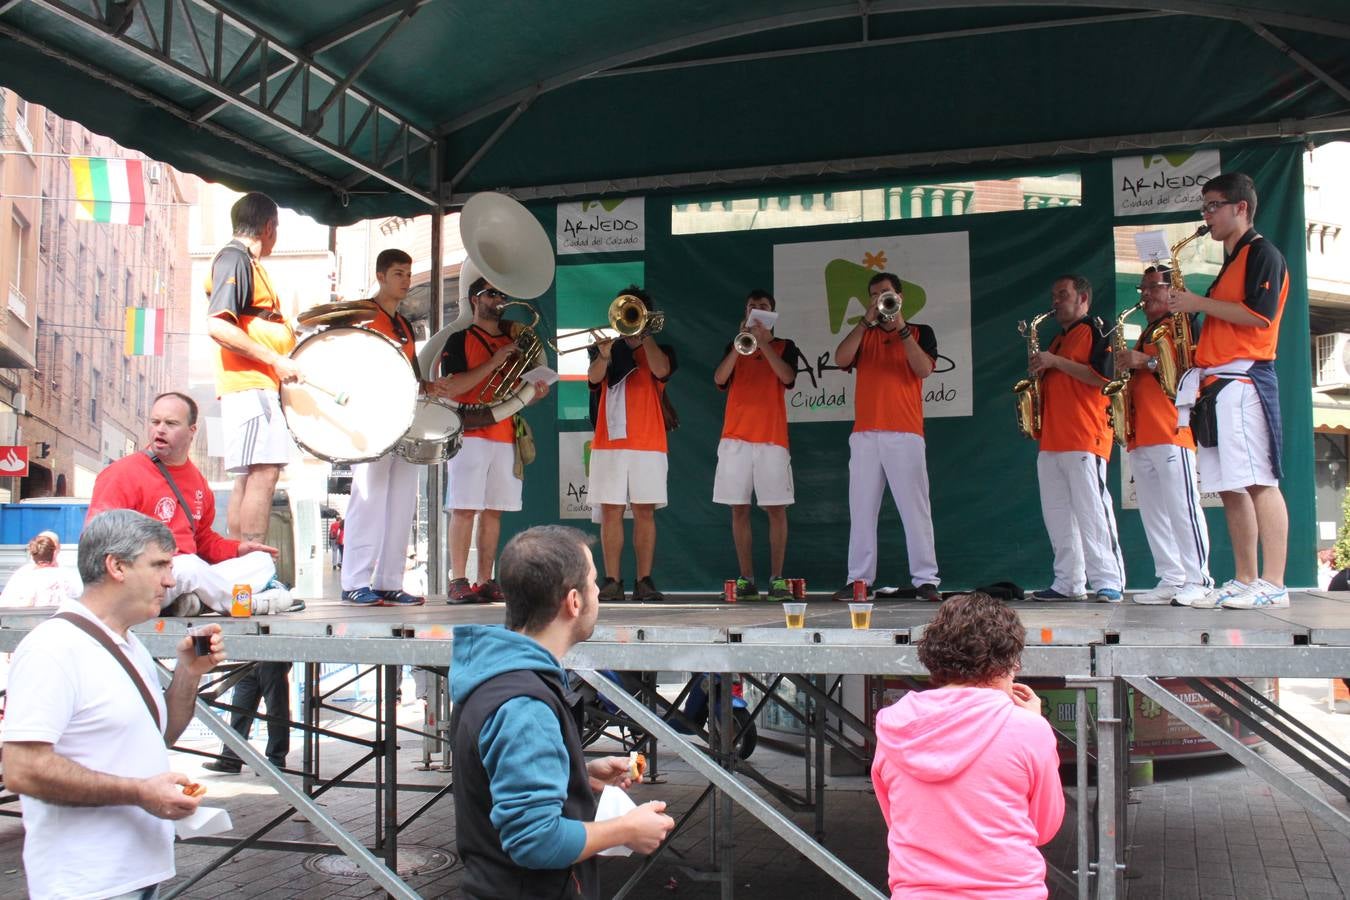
pixel 752 456
pixel 481 476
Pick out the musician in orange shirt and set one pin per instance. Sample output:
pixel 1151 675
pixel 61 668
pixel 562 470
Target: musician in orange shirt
pixel 752 456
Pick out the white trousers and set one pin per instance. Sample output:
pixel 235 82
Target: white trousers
pixel 214 584
pixel 876 459
pixel 379 519
pixel 1076 505
pixel 1169 504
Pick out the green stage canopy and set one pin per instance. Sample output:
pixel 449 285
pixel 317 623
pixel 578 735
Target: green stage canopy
pixel 352 110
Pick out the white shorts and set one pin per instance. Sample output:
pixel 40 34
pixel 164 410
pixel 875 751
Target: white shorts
pixel 627 476
pixel 742 467
pixel 481 476
pixel 1242 458
pixel 255 430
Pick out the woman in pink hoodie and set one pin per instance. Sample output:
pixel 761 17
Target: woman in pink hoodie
pixel 967 774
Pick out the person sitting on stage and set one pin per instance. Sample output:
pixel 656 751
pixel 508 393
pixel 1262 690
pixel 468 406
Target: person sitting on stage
pixel 1075 446
pixel 967 774
pixel 892 358
pixel 524 791
pixel 384 491
pixel 628 379
pixel 481 478
pixel 1162 462
pixel 752 456
pixel 162 482
pixel 41 581
pixel 1234 381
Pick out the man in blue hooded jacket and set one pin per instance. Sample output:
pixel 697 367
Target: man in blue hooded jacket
pixel 524 793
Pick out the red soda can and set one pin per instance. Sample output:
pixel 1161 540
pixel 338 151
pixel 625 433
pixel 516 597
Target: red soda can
pixel 799 588
pixel 729 590
pixel 859 592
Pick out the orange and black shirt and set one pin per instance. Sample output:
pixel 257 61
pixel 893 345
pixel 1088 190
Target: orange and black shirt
pixel 756 406
pixel 398 329
pixel 888 396
pixel 467 350
pixel 646 423
pixel 1073 414
pixel 1256 276
pixel 1155 415
pixel 239 290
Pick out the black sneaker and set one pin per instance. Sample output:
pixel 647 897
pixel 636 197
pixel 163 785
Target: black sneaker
pixel 845 593
pixel 928 592
pixel 221 767
pixel 461 592
pixel 611 591
pixel 746 589
pixel 645 590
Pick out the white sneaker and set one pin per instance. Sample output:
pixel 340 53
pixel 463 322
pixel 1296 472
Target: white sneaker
pixel 1218 596
pixel 1159 596
pixel 1263 595
pixel 271 601
pixel 1189 594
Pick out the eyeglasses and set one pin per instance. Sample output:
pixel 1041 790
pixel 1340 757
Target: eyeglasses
pixel 1210 207
pixel 1145 288
pixel 492 293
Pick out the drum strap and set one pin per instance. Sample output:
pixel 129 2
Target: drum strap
pixel 192 523
pixel 263 312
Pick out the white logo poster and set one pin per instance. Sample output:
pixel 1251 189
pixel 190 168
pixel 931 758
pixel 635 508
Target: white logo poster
pixel 1162 182
pixel 574 469
pixel 602 226
pixel 821 290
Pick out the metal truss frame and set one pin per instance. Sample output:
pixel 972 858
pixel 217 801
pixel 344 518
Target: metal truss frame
pixel 279 85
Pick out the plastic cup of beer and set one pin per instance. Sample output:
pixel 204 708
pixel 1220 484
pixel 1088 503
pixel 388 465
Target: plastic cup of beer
pixel 861 615
pixel 201 639
pixel 795 614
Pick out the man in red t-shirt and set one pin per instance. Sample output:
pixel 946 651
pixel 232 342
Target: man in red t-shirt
pixel 482 483
pixel 1162 463
pixel 892 358
pixel 752 456
pixel 207 565
pixel 1234 376
pixel 628 453
pixel 1075 447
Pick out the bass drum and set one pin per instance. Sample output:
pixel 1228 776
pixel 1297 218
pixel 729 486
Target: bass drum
pixel 435 436
pixel 358 398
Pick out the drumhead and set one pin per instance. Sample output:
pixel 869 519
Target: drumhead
pixel 434 420
pixel 379 386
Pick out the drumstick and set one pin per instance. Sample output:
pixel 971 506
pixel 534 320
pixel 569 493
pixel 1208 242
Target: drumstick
pixel 339 397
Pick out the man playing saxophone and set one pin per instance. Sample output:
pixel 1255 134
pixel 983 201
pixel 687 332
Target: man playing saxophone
pixel 1075 446
pixel 1231 397
pixel 481 478
pixel 1162 462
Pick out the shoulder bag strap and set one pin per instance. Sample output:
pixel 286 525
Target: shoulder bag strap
pixel 101 636
pixel 182 504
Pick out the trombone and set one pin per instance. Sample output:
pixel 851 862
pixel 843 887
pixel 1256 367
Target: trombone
pixel 628 315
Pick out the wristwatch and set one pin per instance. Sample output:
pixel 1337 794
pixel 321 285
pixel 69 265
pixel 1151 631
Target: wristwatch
pixel 1152 364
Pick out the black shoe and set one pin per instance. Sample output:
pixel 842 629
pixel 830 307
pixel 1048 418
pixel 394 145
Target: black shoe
pixel 646 591
pixel 279 763
pixel 611 591
pixel 928 592
pixel 845 593
pixel 223 768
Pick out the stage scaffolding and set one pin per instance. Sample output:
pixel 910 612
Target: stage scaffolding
pixel 1098 650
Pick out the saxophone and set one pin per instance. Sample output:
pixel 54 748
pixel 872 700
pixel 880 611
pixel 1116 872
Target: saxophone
pixel 1117 390
pixel 1172 336
pixel 1028 390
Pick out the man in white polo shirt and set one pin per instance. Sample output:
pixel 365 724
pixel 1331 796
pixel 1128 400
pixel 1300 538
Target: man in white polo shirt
pixel 81 746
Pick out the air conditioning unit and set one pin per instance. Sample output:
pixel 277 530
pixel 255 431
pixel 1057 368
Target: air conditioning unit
pixel 1332 353
pixel 154 171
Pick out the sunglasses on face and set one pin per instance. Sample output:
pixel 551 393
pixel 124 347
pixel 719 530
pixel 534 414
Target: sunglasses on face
pixel 491 293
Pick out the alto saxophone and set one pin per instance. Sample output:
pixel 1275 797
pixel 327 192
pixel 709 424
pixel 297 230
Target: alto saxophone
pixel 1028 390
pixel 1172 336
pixel 1117 390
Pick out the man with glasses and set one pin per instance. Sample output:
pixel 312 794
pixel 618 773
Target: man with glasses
pixel 1231 397
pixel 1075 448
pixel 482 480
pixel 1162 463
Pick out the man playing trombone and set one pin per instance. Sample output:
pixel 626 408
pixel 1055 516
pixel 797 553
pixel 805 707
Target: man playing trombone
pixel 892 358
pixel 481 476
pixel 752 455
pixel 627 377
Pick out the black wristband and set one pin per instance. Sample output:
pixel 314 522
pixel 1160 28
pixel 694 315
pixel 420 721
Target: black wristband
pixel 906 332
pixel 868 323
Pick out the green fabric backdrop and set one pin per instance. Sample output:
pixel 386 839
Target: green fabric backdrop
pixel 986 509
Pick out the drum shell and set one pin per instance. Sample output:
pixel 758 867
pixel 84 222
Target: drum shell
pixel 421 447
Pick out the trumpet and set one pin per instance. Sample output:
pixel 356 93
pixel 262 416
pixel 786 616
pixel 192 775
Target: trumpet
pixel 628 315
pixel 888 305
pixel 745 343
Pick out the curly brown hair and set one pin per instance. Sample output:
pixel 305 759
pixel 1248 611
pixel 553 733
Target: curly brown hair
pixel 973 639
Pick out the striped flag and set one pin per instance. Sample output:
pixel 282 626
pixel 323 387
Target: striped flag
pixel 109 190
pixel 145 331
